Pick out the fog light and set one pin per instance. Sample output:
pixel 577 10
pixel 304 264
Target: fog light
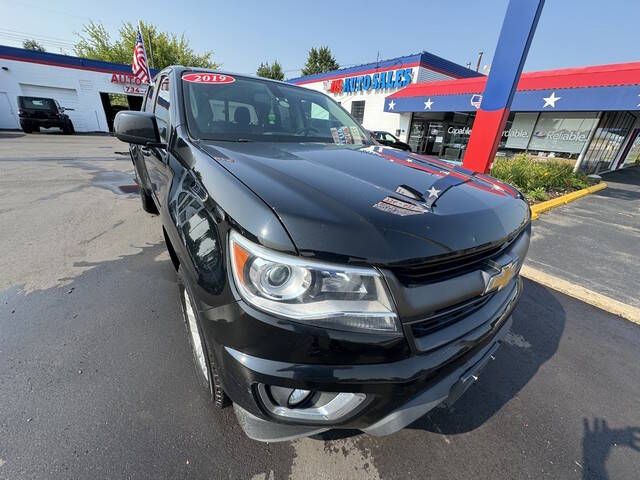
pixel 288 397
pixel 297 397
pixel 307 405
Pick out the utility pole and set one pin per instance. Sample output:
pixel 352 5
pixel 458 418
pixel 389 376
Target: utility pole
pixel 479 60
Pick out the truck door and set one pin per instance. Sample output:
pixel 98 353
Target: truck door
pixel 155 158
pixel 136 150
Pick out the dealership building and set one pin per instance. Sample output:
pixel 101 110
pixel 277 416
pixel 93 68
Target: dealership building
pixel 93 90
pixel 362 90
pixel 588 115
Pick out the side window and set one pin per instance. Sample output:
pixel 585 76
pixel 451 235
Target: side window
pixel 148 100
pixel 162 108
pixel 318 120
pixel 318 112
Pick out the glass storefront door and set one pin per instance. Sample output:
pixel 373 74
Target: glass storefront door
pixel 416 134
pixel 434 138
pixel 426 137
pixel 442 135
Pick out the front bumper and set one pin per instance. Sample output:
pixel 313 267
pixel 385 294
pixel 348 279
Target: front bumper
pixel 398 393
pixel 43 122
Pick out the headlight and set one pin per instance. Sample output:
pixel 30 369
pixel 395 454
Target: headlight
pixel 317 293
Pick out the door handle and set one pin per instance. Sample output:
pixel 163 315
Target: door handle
pixel 146 151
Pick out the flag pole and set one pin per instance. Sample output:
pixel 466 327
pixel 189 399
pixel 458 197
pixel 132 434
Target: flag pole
pixel 150 49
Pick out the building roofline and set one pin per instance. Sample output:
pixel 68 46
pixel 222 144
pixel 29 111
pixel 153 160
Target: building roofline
pixel 615 74
pixel 424 59
pixel 65 61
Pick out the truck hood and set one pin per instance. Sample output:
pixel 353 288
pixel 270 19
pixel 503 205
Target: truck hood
pixel 373 204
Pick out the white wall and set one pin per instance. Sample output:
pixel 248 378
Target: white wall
pixel 375 118
pixel 71 87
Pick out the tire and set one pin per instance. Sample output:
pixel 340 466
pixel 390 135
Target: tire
pixel 147 201
pixel 67 127
pixel 26 127
pixel 36 128
pixel 206 370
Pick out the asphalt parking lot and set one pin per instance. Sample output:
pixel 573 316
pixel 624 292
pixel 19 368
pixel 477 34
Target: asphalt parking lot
pixel 96 379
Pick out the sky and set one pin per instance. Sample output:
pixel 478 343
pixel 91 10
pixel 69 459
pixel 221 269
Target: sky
pixel 243 34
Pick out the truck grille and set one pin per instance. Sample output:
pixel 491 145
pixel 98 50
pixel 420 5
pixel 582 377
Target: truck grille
pixel 442 267
pixel 455 322
pixel 447 316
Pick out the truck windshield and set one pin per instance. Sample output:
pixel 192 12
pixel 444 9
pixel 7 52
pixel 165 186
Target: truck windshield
pixel 37 103
pixel 250 109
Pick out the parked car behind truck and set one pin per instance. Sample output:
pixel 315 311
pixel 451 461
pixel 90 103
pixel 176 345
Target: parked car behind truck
pixel 37 112
pixel 386 138
pixel 325 281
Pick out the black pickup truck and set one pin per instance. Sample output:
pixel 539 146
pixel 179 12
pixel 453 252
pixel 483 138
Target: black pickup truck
pixel 325 281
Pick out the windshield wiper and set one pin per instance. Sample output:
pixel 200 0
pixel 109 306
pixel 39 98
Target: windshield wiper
pixel 236 140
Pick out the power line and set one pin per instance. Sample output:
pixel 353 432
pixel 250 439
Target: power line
pixel 48 37
pixel 22 38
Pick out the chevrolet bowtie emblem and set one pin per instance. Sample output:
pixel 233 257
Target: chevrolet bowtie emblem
pixel 500 279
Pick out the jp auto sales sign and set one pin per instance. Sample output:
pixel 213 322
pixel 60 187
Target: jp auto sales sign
pixel 376 81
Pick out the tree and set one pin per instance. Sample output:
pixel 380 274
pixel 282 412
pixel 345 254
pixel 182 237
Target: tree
pixel 320 61
pixel 163 49
pixel 273 71
pixel 31 44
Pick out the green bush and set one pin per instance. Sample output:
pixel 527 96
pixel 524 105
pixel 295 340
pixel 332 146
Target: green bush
pixel 536 178
pixel 537 195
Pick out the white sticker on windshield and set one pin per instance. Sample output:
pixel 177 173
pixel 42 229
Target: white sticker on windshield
pixel 342 135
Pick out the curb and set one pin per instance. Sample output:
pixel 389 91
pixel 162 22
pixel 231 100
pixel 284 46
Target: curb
pixel 542 207
pixel 583 294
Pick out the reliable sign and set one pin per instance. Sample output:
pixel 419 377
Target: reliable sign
pixel 376 81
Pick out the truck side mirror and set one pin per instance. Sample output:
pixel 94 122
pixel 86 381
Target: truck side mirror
pixel 139 128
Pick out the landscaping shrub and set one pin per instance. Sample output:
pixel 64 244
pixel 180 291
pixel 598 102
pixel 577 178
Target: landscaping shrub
pixel 538 178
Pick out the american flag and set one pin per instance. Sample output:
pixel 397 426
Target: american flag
pixel 139 65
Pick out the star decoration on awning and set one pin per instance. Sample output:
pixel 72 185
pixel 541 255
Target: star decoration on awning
pixel 392 105
pixel 551 100
pixel 428 103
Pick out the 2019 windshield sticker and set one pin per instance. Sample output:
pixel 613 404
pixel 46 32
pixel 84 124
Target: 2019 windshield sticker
pixel 210 78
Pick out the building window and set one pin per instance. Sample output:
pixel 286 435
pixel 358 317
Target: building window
pixel 633 156
pixel 563 133
pixel 607 140
pixel 357 110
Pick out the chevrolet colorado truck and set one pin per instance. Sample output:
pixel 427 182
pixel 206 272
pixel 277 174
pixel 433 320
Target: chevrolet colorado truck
pixel 326 281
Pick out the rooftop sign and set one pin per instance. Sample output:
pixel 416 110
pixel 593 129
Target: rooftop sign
pixel 376 81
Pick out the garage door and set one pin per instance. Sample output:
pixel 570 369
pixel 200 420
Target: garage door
pixel 8 117
pixel 66 97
